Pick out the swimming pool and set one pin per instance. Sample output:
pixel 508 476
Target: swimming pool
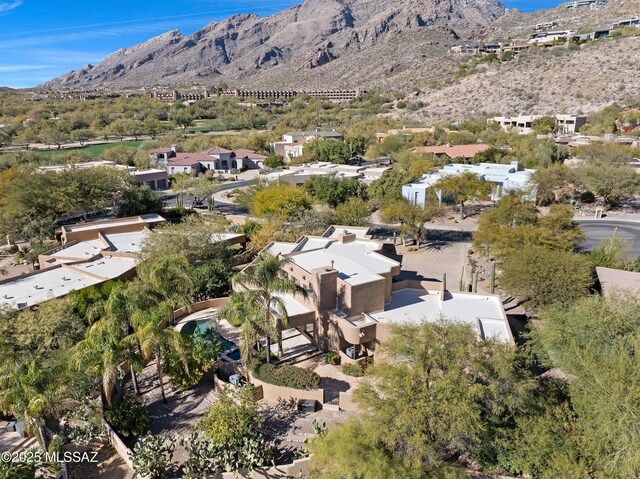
pixel 231 350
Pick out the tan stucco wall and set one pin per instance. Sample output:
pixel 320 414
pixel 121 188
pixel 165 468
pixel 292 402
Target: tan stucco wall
pixel 275 394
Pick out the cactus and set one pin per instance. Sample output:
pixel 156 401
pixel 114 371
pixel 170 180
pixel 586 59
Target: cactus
pixel 152 456
pixel 492 284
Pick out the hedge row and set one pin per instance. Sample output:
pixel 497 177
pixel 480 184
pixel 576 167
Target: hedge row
pixel 288 376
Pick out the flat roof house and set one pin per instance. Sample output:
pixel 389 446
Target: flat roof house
pixel 503 178
pixel 353 299
pixel 523 124
pixel 90 254
pixel 292 144
pixel 301 174
pixel 155 179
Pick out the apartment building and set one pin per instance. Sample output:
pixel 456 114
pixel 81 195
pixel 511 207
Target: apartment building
pixel 354 297
pixel 503 178
pixel 329 95
pixel 175 95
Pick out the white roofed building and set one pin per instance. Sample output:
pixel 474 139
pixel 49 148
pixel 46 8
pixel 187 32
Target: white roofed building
pixel 354 296
pixel 503 178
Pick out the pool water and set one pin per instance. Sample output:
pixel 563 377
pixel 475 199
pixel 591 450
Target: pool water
pixel 193 327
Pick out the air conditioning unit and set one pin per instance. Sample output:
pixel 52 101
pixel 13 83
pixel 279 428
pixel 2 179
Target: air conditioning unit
pixel 352 353
pixel 235 380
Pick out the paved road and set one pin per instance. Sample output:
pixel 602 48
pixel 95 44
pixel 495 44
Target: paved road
pixel 598 230
pixel 220 207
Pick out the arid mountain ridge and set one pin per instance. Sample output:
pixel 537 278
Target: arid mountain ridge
pixel 310 35
pixel 393 45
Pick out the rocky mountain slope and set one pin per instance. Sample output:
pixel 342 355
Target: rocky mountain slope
pixel 397 46
pixel 250 50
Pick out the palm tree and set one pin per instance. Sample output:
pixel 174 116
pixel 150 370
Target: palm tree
pixel 28 391
pixel 103 352
pixel 266 310
pixel 167 280
pixel 244 312
pixel 154 335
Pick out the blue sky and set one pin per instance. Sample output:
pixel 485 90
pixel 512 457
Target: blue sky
pixel 40 39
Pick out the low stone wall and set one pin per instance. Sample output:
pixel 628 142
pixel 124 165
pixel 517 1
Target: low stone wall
pixel 274 394
pixel 121 448
pixel 194 308
pixel 298 468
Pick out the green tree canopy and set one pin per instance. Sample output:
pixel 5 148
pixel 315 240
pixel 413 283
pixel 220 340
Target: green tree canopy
pixel 330 150
pixel 332 190
pixel 542 276
pixel 353 212
pixel 280 201
pixel 439 394
pixel 462 188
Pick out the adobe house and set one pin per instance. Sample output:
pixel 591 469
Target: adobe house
pixel 353 300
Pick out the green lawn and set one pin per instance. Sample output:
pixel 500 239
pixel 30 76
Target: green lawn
pixel 90 151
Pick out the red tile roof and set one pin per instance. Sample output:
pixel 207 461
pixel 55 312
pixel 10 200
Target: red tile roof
pixel 164 149
pixel 454 151
pixel 216 150
pixel 187 159
pixel 252 155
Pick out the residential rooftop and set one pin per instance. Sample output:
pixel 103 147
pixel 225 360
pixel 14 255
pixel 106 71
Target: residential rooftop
pixel 454 151
pixel 483 312
pixel 99 225
pixel 55 282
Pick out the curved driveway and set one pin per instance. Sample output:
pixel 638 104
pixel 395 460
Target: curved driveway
pixel 599 230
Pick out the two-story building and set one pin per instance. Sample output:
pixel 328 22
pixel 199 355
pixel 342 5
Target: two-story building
pixel 523 124
pixel 293 142
pixel 216 159
pixel 354 297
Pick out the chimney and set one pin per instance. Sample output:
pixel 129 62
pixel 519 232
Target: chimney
pixel 515 165
pixel 347 238
pixel 173 148
pixel 332 264
pixel 317 130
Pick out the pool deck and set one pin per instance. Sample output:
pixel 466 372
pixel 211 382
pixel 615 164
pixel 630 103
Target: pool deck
pixel 204 315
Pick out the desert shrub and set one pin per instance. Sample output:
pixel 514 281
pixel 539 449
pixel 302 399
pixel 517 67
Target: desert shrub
pixel 333 357
pixel 177 214
pixel 288 376
pixel 129 418
pixel 354 370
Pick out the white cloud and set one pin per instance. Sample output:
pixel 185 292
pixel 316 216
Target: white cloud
pixel 22 68
pixel 8 6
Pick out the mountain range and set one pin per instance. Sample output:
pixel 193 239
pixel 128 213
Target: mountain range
pixel 394 45
pixel 247 48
